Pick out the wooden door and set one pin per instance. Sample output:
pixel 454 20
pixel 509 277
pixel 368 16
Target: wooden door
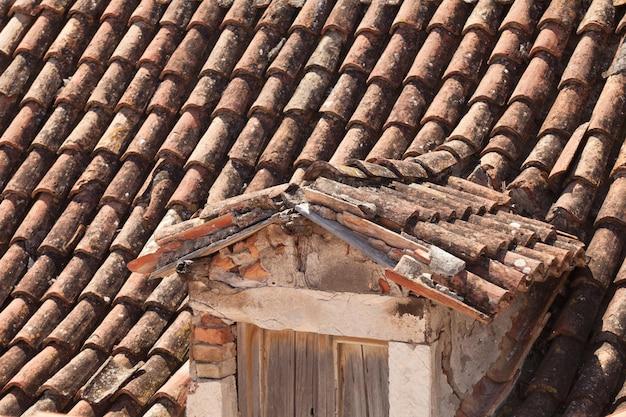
pixel 294 374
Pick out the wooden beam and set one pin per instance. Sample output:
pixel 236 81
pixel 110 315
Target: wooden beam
pixel 370 316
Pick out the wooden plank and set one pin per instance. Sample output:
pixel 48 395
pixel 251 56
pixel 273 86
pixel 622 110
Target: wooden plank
pixel 352 397
pixel 306 374
pixel 249 338
pixel 279 381
pixel 376 369
pixel 299 374
pixel 326 384
pixel 371 316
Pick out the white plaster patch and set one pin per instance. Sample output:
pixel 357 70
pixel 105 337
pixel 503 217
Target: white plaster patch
pixel 410 380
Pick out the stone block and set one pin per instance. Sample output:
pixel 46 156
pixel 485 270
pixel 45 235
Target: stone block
pixel 213 353
pixel 213 398
pixel 214 370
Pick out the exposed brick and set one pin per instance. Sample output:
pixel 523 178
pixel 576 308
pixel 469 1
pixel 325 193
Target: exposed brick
pixel 197 286
pixel 247 245
pixel 239 246
pixel 208 321
pixel 214 370
pixel 213 353
pixel 242 258
pixel 217 336
pixel 254 272
pixel 222 262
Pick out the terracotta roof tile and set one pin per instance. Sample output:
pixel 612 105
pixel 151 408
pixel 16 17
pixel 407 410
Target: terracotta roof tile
pixel 38 38
pixel 41 367
pixel 143 334
pixel 116 369
pixel 154 373
pixel 175 389
pixel 311 16
pixel 602 371
pixel 14 317
pixel 14 402
pixel 450 15
pixel 605 118
pixel 74 276
pixel 13 359
pixel 431 58
pixel 621 25
pixel 173 342
pixel 113 328
pixel 12 32
pixel 342 17
pixel 76 325
pixel 37 279
pixel 69 379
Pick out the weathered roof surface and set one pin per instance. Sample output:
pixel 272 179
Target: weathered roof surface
pixel 119 115
pixel 457 244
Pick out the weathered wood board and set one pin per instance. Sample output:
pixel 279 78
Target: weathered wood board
pixel 297 374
